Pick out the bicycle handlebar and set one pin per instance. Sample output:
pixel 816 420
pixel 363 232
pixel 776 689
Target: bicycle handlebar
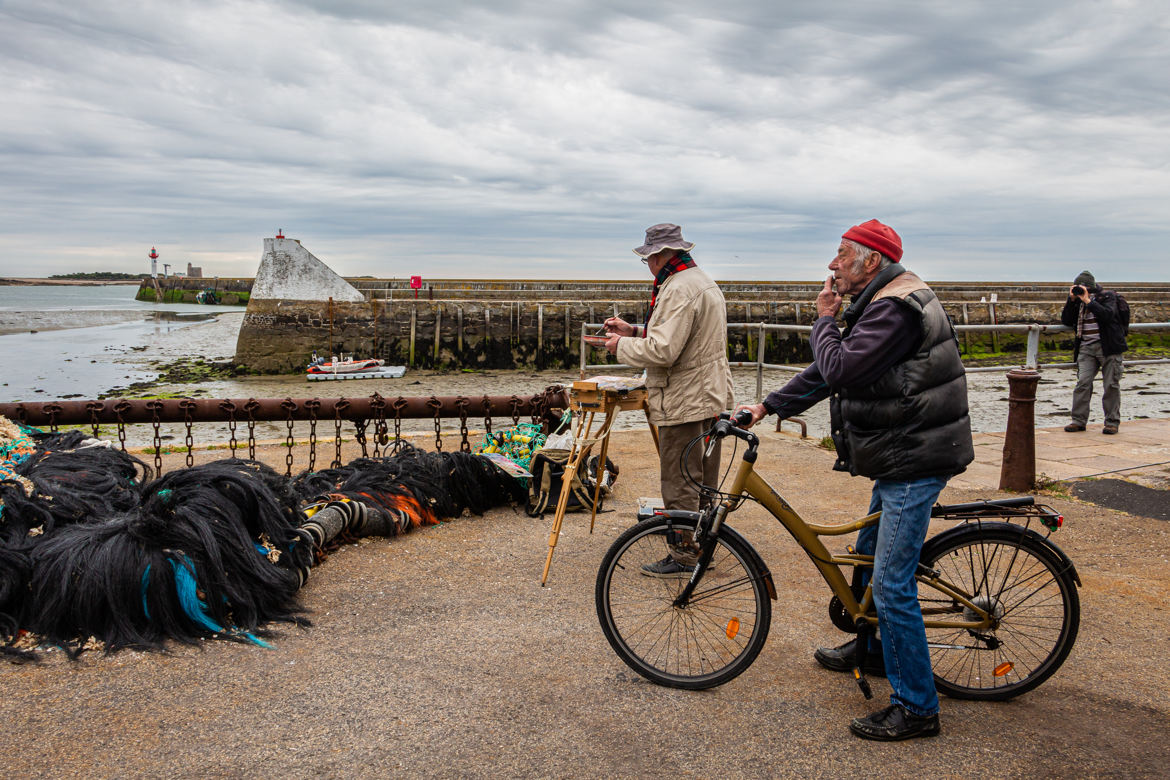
pixel 727 425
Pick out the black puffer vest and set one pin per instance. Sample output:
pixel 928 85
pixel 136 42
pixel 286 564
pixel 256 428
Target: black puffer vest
pixel 912 422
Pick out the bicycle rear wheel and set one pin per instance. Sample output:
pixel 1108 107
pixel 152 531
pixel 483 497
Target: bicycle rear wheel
pixel 711 640
pixel 1031 592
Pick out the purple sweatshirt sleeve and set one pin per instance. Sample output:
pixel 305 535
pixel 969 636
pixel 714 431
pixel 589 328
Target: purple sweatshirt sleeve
pixel 886 334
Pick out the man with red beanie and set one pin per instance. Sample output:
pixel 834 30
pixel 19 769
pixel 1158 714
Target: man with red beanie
pixel 898 408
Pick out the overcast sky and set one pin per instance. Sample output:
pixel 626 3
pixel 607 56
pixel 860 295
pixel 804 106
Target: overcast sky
pixel 1003 140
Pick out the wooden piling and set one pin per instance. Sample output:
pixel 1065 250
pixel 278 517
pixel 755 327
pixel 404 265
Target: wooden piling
pixel 413 329
pixel 966 335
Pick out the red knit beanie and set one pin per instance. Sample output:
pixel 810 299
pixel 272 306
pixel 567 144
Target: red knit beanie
pixel 877 236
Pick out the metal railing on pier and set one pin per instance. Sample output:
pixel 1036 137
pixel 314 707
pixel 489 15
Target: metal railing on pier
pixel 1031 359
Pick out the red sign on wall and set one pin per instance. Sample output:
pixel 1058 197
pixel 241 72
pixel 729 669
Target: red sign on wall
pixel 415 282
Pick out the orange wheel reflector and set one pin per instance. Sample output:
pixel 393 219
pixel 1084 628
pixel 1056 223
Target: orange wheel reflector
pixel 732 628
pixel 1004 668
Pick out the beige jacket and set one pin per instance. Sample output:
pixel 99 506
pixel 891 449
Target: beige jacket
pixel 684 351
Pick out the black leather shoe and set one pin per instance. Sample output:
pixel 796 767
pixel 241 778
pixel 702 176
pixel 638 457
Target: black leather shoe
pixel 894 723
pixel 840 659
pixel 1074 428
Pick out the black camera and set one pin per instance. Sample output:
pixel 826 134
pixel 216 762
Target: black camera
pixel 1078 290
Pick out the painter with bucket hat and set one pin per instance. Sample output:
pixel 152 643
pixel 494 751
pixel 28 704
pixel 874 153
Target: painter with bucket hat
pixel 683 347
pixel 1095 314
pixel 897 395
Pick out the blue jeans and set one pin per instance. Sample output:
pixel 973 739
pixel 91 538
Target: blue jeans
pixel 896 543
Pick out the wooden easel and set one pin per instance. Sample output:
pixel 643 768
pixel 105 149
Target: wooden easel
pixel 586 400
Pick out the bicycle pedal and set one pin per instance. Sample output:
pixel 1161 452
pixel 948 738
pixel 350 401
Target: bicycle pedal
pixel 862 683
pixel 851 549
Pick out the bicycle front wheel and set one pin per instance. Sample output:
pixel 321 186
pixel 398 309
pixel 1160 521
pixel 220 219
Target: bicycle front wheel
pixel 712 639
pixel 1029 591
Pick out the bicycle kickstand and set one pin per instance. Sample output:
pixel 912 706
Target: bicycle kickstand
pixel 864 629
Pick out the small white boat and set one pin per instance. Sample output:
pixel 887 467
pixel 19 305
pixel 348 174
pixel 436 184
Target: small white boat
pixel 371 368
pixel 350 366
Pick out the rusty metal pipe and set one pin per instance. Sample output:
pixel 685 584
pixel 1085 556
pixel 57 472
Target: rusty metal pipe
pixel 278 409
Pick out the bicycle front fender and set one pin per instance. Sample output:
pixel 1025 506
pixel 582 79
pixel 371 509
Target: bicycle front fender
pixel 673 514
pixel 765 574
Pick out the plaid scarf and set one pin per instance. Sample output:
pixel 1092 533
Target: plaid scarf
pixel 677 263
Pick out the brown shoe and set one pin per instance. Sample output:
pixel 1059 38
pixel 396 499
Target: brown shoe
pixel 1109 429
pixel 1074 428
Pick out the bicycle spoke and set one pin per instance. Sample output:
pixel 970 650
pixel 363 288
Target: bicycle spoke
pixel 1006 575
pixel 714 636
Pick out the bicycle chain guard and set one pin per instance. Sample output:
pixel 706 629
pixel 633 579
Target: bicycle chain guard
pixel 841 619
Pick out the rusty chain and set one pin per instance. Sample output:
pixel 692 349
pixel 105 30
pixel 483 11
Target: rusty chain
pixel 359 427
pixel 487 415
pixel 155 407
pixel 187 405
pixel 312 405
pixel 378 404
pixel 120 410
pixel 434 403
pixel 461 403
pixel 250 407
pixel 289 406
pixel 230 408
pixel 93 407
pixel 53 410
pixel 399 404
pixel 340 406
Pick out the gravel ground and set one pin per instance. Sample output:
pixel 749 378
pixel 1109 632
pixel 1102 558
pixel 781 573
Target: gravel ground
pixel 439 654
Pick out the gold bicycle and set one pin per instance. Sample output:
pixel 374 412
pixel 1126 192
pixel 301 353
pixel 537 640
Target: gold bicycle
pixel 999 598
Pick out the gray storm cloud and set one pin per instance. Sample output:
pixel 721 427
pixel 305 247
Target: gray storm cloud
pixel 1003 141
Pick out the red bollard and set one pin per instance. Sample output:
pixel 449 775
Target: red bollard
pixel 1018 472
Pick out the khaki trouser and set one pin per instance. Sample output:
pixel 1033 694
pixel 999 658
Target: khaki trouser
pixel 1090 360
pixel 677 492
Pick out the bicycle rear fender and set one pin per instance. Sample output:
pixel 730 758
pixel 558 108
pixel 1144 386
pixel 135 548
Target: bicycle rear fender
pixel 973 529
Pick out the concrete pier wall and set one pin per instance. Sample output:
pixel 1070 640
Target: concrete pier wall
pixel 298 306
pixel 280 336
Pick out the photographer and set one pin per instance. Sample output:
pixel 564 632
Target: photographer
pixel 1100 341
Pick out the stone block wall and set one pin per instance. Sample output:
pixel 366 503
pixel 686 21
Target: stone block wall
pixel 280 336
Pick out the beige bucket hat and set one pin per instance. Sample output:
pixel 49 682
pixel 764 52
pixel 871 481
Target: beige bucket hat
pixel 664 236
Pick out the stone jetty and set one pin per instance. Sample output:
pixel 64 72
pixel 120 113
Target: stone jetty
pixel 299 305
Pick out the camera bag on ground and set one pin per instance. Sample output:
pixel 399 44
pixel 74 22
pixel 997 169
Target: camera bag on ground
pixel 548 475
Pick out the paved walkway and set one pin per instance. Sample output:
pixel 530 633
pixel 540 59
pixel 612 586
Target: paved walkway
pixel 1140 452
pixel 438 654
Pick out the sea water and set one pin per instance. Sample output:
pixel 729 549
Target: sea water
pixel 94 340
pixel 77 341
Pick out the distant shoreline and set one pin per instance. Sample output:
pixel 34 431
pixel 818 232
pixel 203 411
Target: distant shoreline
pixel 13 282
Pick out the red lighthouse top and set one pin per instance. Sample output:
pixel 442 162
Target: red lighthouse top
pixel 280 233
pixel 153 254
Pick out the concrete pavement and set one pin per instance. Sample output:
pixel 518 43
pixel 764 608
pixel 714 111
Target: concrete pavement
pixel 1140 451
pixel 438 654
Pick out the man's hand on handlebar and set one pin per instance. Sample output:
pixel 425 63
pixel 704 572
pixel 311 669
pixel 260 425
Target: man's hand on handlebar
pixel 748 415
